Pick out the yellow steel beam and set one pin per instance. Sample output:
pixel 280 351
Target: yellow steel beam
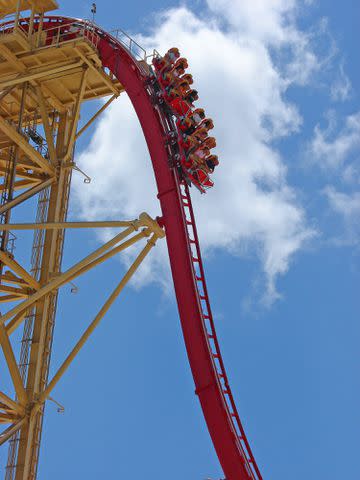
pixel 20 36
pixel 21 184
pixel 91 259
pixel 45 394
pixel 19 270
pixel 30 151
pixel 5 92
pixel 12 365
pixel 60 225
pixel 8 55
pixel 94 117
pixel 52 98
pixel 18 318
pixel 10 298
pixel 25 195
pixel 9 432
pixel 46 125
pixel 8 417
pixel 11 403
pixel 23 162
pixel 31 22
pixel 19 292
pixel 98 71
pixel 39 73
pixel 9 277
pixel 76 114
pixel 64 277
pixel 123 246
pixel 147 221
pixel 22 173
pixel 15 322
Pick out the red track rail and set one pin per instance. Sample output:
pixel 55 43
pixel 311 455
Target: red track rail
pixel 211 382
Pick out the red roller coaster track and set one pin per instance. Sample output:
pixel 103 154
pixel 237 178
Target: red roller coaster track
pixel 211 382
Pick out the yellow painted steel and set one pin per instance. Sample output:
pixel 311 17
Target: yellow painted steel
pixel 8 7
pixel 42 89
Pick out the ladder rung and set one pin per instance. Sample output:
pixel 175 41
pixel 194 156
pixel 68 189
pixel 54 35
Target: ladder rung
pixel 194 259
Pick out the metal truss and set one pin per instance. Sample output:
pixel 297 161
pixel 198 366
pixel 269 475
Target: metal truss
pixel 28 406
pixel 43 85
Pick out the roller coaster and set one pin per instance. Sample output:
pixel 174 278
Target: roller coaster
pixel 49 66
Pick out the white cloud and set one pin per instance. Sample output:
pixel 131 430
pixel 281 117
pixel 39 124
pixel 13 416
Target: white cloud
pixel 347 205
pixel 341 88
pixel 330 148
pixel 267 21
pixel 252 209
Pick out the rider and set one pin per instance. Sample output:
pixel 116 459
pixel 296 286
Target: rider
pixel 188 78
pixel 167 60
pixel 169 76
pixel 182 106
pixel 201 133
pixel 178 90
pixel 191 96
pixel 197 159
pixel 211 161
pixel 189 123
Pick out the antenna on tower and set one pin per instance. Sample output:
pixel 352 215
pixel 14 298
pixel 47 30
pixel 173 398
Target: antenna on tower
pixel 93 11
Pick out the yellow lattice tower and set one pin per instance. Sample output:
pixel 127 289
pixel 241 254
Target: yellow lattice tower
pixel 42 87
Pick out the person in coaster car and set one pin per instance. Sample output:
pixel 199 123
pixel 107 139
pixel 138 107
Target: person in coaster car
pixel 197 159
pixel 178 91
pixel 209 142
pixel 174 71
pixel 190 144
pixel 180 107
pixel 203 178
pixel 191 97
pixel 201 133
pixel 206 123
pixel 178 80
pixel 167 60
pixel 190 122
pixel 171 76
pixel 172 55
pixel 211 162
pixel 183 88
pixel 202 129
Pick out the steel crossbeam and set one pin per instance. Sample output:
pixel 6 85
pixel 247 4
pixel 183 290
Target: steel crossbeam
pixel 24 410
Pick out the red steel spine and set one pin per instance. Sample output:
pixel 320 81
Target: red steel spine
pixel 223 434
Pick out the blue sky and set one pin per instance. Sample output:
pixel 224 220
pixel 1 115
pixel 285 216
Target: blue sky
pixel 280 233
